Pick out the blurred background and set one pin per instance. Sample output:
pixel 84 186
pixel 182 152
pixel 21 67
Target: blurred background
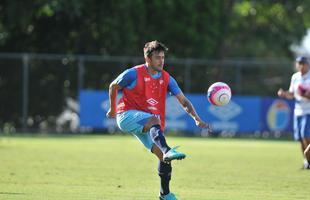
pixel 57 56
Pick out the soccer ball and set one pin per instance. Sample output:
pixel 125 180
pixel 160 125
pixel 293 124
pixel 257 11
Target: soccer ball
pixel 219 94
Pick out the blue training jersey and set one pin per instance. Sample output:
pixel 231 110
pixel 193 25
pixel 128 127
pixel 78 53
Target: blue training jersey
pixel 128 79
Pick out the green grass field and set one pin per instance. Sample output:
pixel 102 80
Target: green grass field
pixel 119 168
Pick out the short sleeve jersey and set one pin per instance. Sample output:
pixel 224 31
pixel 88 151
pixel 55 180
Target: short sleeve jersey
pixel 302 105
pixel 129 77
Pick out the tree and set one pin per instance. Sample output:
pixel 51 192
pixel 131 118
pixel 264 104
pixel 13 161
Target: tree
pixel 201 29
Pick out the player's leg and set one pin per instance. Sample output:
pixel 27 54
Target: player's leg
pixel 307 156
pixel 303 144
pixel 164 168
pixel 153 126
pixel 145 127
pixel 132 121
pixel 297 132
pixel 305 135
pixel 139 124
pixel 155 150
pixel 164 172
pixel 307 140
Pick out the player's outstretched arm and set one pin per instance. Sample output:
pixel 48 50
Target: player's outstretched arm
pixel 189 108
pixel 113 90
pixel 285 94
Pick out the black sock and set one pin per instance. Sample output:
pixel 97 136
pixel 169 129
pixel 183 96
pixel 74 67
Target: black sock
pixel 158 138
pixel 164 172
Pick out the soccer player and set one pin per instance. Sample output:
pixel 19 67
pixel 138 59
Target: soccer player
pixel 141 109
pixel 300 90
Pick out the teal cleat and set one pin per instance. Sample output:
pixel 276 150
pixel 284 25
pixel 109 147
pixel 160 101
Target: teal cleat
pixel 169 196
pixel 172 154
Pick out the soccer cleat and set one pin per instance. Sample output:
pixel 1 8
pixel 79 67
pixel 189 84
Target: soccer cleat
pixel 169 196
pixel 173 154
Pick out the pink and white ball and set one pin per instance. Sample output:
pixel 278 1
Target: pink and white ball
pixel 219 94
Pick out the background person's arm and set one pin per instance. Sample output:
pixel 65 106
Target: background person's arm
pixel 285 94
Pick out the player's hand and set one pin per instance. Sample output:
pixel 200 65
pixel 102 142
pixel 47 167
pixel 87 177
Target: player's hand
pixel 111 114
pixel 203 124
pixel 281 93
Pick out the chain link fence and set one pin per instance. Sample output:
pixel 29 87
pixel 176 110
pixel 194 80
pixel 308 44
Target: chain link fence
pixel 39 92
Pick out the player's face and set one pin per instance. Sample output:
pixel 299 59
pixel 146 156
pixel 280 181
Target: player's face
pixel 157 60
pixel 303 68
pixel 298 66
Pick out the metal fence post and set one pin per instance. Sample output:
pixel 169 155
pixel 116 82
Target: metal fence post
pixel 81 70
pixel 238 78
pixel 25 92
pixel 187 76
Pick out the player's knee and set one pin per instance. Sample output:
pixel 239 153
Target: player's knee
pixel 151 122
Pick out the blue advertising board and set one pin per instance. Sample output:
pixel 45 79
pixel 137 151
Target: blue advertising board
pixel 241 115
pixel 93 108
pixel 244 114
pixel 277 115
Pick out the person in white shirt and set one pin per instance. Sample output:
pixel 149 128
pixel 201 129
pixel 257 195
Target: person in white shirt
pixel 300 90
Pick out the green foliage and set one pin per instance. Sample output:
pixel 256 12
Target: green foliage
pixel 204 29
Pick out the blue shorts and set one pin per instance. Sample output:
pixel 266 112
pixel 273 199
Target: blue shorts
pixel 133 121
pixel 302 127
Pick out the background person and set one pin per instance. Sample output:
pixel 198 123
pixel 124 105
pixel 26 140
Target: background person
pixel 300 90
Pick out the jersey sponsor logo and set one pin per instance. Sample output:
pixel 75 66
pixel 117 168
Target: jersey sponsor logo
pixel 161 81
pixel 147 79
pixel 152 101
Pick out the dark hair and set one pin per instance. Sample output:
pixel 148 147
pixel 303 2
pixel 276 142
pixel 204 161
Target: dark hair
pixel 152 46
